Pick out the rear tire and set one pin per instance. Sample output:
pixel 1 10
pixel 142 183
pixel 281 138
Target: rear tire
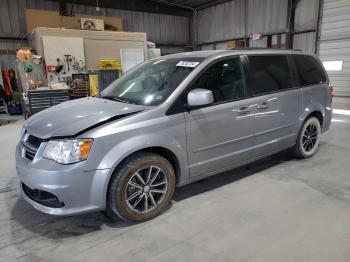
pixel 308 139
pixel 141 188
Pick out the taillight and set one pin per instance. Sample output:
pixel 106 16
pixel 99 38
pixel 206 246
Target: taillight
pixel 331 91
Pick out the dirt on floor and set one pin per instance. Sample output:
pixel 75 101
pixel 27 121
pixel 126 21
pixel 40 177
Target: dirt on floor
pixel 6 122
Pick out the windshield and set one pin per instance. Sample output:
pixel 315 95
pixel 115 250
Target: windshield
pixel 151 82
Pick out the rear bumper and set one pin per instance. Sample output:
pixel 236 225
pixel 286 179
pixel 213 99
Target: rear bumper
pixel 77 191
pixel 327 119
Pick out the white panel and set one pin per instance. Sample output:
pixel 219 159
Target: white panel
pixel 56 47
pixel 131 58
pixel 107 49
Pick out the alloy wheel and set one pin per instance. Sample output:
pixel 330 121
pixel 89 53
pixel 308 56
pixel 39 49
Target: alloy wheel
pixel 310 137
pixel 146 189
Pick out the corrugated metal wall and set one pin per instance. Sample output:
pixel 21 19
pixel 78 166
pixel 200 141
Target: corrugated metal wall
pixel 334 43
pixel 227 21
pixel 8 59
pixel 161 29
pixel 221 22
pixel 306 14
pixel 267 16
pixel 305 42
pixel 306 17
pixel 258 43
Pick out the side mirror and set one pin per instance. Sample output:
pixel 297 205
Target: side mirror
pixel 200 97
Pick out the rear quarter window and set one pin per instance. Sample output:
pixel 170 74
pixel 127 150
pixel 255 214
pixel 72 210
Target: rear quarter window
pixel 309 70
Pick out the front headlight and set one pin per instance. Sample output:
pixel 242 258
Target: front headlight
pixel 68 151
pixel 22 133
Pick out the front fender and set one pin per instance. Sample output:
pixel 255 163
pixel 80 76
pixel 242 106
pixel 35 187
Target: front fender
pixel 133 144
pixel 116 141
pixel 140 142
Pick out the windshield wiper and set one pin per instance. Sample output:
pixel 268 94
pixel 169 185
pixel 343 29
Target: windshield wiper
pixel 114 98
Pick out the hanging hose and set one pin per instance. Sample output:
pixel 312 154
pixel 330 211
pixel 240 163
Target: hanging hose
pixel 6 73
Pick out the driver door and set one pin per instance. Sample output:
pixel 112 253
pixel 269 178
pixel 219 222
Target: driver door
pixel 219 135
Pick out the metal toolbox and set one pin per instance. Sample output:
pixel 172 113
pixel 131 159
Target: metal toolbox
pixel 40 100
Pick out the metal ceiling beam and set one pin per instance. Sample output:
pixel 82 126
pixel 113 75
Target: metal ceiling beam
pixel 211 3
pixel 135 5
pixel 173 4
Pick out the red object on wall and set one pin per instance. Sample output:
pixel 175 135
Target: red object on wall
pixel 51 68
pixel 6 74
pixel 256 36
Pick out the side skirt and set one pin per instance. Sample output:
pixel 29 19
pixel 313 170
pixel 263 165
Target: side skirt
pixel 194 179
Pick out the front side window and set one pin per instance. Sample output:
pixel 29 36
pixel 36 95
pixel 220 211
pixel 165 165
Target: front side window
pixel 269 74
pixel 224 79
pixel 309 70
pixel 151 82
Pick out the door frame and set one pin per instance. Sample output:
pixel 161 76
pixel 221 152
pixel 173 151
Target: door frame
pixel 179 106
pixel 292 71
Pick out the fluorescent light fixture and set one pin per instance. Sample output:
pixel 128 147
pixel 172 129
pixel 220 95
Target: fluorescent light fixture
pixel 333 65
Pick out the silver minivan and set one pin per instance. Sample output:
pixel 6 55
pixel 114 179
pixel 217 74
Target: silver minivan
pixel 168 122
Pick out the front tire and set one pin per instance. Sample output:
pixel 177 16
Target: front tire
pixel 308 139
pixel 141 188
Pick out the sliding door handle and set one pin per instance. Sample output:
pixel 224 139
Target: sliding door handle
pixel 243 110
pixel 263 105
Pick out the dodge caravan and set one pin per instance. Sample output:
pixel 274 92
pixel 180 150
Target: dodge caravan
pixel 168 122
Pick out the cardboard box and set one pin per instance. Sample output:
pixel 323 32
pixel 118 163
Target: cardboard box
pixel 235 44
pixel 70 22
pixel 40 18
pixel 52 19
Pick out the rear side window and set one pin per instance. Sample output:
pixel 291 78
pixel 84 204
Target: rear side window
pixel 269 74
pixel 309 70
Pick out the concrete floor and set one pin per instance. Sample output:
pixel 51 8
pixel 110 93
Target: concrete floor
pixel 279 209
pixel 341 102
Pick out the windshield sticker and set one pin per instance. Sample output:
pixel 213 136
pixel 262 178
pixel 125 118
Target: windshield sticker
pixel 187 64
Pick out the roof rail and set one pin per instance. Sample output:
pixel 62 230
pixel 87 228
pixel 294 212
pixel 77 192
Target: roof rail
pixel 262 48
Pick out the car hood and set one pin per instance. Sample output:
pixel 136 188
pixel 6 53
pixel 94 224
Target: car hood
pixel 73 117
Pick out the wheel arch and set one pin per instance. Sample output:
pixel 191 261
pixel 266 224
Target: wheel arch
pixel 312 110
pixel 164 152
pixel 316 114
pixel 159 150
